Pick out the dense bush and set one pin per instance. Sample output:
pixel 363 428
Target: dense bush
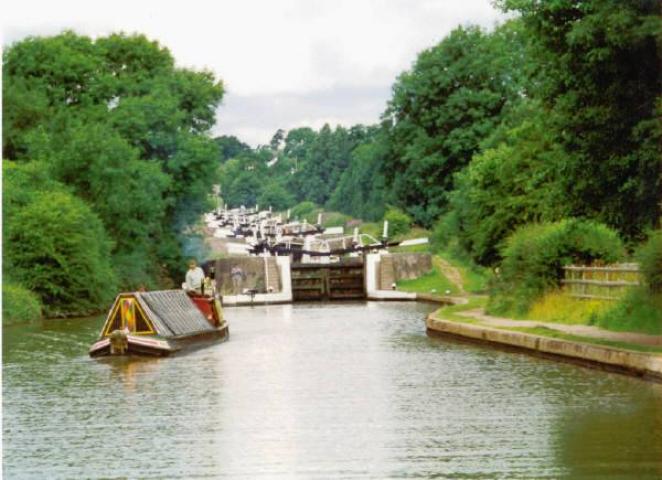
pixel 534 256
pixel 19 305
pixel 650 261
pixel 303 209
pixel 54 245
pixel 399 223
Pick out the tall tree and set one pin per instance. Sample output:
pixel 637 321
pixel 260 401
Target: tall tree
pixel 444 107
pixel 230 146
pixel 517 180
pixel 361 190
pixel 126 129
pixel 601 61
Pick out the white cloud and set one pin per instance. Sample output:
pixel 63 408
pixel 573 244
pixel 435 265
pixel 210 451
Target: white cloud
pixel 255 118
pixel 286 62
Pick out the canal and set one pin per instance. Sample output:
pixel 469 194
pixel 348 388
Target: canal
pixel 342 390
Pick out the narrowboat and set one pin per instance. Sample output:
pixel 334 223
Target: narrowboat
pixel 160 323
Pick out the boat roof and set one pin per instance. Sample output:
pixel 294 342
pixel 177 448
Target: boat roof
pixel 168 313
pixel 173 313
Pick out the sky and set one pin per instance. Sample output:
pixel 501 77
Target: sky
pixel 284 63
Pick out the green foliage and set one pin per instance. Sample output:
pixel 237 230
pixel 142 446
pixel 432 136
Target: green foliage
pixel 399 223
pixel 649 257
pixel 638 311
pixel 326 158
pixel 444 243
pixel 249 179
pixel 442 110
pixel 534 256
pixel 334 219
pixel 600 74
pixel 557 306
pixel 475 279
pixel 374 229
pixel 303 210
pixel 104 170
pixel 274 195
pixel 277 139
pixel 241 179
pixel 511 184
pixel 339 167
pixel 230 147
pixel 55 245
pixel 320 158
pixel 432 282
pixel 361 190
pixel 19 305
pixel 298 142
pixel 26 108
pixel 444 231
pixel 116 121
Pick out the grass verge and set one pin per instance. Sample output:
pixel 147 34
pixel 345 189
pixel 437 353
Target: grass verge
pixel 474 278
pixel 432 282
pixel 558 307
pixel 638 311
pixel 451 312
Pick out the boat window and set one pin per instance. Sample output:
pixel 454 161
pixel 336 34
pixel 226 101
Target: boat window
pixel 115 323
pixel 128 315
pixel 141 324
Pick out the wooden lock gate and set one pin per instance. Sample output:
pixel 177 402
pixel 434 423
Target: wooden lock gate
pixel 330 281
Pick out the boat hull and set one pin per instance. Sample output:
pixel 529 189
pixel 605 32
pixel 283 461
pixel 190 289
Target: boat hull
pixel 123 344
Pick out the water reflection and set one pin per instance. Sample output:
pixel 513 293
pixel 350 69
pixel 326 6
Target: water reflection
pixel 589 446
pixel 129 371
pixel 318 391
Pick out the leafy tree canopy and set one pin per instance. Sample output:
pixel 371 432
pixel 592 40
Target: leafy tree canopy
pixel 601 70
pixel 124 128
pixel 442 110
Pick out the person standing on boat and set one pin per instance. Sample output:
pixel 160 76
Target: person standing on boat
pixel 194 277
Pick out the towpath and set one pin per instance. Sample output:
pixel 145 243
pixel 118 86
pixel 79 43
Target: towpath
pixel 450 272
pixel 580 330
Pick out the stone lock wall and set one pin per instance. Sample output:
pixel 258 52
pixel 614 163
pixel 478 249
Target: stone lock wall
pixel 254 274
pixel 402 266
pixel 411 265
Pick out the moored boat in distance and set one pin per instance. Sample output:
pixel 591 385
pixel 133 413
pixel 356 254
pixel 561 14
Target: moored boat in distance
pixel 159 323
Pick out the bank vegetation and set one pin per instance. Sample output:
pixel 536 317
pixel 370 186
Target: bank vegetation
pixel 521 148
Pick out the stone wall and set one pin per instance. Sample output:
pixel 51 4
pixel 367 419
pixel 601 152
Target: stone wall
pixel 253 274
pixel 401 266
pixel 648 365
pixel 410 265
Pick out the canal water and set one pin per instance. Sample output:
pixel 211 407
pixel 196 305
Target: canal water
pixel 350 390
